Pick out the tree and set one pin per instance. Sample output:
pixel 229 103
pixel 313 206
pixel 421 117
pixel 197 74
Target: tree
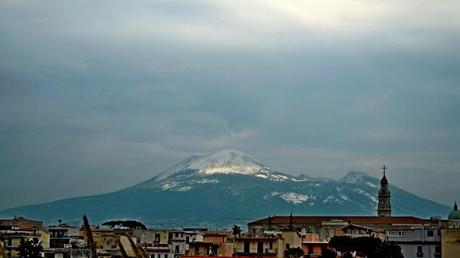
pixel 342 243
pixel 365 246
pixel 236 230
pixel 387 250
pixel 347 255
pixel 30 248
pixel 293 252
pixel 328 253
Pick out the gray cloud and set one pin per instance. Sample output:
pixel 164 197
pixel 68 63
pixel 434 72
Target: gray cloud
pixel 95 96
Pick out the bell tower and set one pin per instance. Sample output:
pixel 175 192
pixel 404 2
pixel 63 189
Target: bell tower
pixel 384 207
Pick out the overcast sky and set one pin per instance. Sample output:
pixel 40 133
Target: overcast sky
pixel 99 95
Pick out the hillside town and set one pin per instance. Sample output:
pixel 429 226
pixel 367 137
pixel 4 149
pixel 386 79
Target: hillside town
pixel 271 237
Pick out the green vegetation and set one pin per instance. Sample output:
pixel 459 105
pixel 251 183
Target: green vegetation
pixel 370 247
pixel 293 252
pixel 236 230
pixel 30 248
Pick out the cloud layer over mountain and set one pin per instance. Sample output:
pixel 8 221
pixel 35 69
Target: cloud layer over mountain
pixel 116 91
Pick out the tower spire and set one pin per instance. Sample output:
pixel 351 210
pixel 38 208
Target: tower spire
pixel 384 206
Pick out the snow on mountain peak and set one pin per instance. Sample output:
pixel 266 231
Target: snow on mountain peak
pixel 354 177
pixel 221 162
pixel 228 162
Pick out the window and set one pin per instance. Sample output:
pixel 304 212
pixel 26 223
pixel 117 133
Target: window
pixel 165 256
pixel 213 250
pixel 271 245
pixel 396 233
pixel 246 247
pixel 187 239
pixel 260 247
pixel 419 251
pixel 287 246
pixel 176 249
pixel 437 249
pixel 430 233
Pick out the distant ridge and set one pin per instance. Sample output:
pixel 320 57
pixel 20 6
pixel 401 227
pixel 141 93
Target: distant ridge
pixel 229 187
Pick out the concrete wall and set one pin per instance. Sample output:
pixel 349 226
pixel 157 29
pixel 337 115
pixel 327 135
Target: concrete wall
pixel 410 250
pixel 426 239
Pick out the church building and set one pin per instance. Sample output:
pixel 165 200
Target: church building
pixel 417 237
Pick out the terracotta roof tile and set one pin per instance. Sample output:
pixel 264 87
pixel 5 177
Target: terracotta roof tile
pixel 358 220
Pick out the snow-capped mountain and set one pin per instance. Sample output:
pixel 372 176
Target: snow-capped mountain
pixel 228 162
pixel 198 169
pixel 229 187
pixel 221 162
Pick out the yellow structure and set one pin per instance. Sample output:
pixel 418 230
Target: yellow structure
pixel 269 244
pixel 450 245
pixel 450 235
pixel 161 237
pixel 2 250
pixel 266 245
pixel 105 239
pixel 12 241
pixel 126 244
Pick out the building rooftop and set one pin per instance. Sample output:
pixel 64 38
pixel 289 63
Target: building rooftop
pixel 357 220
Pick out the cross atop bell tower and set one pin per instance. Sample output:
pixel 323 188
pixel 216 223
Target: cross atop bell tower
pixel 384 206
pixel 384 168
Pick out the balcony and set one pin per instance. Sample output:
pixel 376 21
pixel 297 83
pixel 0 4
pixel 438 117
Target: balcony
pixel 256 236
pixel 266 252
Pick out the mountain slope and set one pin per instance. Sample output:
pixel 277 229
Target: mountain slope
pixel 229 187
